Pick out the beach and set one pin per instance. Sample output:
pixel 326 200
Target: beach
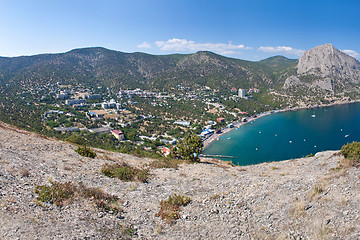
pixel 225 130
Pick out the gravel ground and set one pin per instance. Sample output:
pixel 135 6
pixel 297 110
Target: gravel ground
pixel 274 200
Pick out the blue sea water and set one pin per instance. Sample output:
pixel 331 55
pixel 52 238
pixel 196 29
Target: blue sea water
pixel 289 135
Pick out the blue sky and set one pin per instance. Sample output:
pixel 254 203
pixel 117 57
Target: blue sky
pixel 251 29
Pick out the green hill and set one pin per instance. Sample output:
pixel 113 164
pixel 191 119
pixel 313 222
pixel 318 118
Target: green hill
pixel 113 69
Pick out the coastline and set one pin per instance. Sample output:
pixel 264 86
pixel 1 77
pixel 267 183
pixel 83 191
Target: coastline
pixel 207 142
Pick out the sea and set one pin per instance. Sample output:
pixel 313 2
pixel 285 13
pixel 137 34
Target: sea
pixel 289 135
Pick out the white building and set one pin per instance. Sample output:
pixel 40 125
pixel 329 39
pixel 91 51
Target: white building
pixel 241 93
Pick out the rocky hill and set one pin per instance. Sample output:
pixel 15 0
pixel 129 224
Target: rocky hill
pixel 325 68
pixel 309 198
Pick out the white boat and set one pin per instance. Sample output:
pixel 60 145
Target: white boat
pixel 313 115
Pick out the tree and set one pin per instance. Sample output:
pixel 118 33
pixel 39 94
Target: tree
pixel 189 148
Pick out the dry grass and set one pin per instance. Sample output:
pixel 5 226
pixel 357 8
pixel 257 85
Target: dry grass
pixel 317 190
pixel 298 210
pixel 24 172
pixel 170 209
pixel 62 194
pixel 125 172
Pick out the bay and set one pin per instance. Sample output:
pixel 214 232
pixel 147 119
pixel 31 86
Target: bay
pixel 289 135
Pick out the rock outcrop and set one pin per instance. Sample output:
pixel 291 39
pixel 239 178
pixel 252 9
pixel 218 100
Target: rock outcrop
pixel 292 81
pixel 327 61
pixel 324 66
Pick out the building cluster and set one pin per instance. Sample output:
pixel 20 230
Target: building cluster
pixel 241 93
pixel 111 104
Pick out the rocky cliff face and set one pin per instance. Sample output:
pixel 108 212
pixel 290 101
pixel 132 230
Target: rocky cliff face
pixel 327 61
pixel 324 67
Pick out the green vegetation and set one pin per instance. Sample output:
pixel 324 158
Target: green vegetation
pixel 62 194
pixel 57 193
pixel 169 209
pixel 351 152
pixel 166 163
pixel 125 172
pixel 86 152
pixel 189 148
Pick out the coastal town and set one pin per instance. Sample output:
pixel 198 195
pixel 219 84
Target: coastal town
pixel 152 120
pixel 146 121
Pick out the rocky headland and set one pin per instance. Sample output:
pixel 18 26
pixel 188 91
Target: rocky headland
pixel 308 198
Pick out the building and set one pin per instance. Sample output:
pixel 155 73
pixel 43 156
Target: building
pixel 51 112
pixel 78 106
pixel 61 96
pixel 119 135
pixel 66 129
pixel 243 113
pixel 253 90
pixel 166 151
pixel 93 96
pixel 233 90
pixel 71 102
pixel 220 120
pixel 111 104
pixel 100 130
pixel 241 93
pixel 207 133
pixel 183 123
pixel 97 113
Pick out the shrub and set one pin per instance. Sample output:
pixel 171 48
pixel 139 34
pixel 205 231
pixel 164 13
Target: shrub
pixel 125 172
pixel 86 152
pixel 57 193
pixel 351 152
pixel 189 148
pixel 61 194
pixel 169 209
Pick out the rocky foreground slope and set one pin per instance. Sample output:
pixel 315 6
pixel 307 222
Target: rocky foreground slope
pixel 307 198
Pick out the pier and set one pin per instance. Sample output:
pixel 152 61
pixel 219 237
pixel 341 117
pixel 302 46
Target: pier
pixel 216 156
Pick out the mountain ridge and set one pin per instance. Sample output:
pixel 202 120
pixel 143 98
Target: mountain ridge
pixel 323 68
pixel 105 65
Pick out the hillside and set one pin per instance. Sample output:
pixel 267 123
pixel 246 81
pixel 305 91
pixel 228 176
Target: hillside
pixel 103 67
pixel 278 63
pixel 307 198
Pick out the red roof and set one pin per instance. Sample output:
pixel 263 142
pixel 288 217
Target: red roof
pixel 118 132
pixel 220 119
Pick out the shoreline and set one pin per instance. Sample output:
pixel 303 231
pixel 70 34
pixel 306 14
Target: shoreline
pixel 207 142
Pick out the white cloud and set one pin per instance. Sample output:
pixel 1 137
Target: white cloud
pixel 282 49
pixel 183 45
pixel 351 53
pixel 144 45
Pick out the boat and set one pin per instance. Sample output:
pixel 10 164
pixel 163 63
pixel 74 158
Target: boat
pixel 347 135
pixel 313 115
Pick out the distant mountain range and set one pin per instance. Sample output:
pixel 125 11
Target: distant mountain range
pixel 323 67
